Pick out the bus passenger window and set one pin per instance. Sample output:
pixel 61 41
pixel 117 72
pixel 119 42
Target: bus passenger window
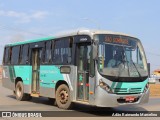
pixel 25 53
pixel 15 55
pixel 41 55
pixel 48 45
pixel 62 51
pixel 10 54
pixel 6 55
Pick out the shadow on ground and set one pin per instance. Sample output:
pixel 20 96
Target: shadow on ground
pixel 86 110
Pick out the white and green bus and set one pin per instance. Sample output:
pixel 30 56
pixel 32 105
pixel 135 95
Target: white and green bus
pixel 93 67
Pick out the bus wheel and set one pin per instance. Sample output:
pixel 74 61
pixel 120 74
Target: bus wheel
pixel 63 97
pixel 28 97
pixel 14 93
pixel 19 92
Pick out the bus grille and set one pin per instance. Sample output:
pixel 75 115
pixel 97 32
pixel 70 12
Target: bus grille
pixel 127 90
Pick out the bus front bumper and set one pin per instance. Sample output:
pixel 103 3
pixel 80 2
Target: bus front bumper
pixel 105 99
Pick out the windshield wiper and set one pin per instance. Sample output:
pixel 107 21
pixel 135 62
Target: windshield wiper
pixel 124 61
pixel 137 70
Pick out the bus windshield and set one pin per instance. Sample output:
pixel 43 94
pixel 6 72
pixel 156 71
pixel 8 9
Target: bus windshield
pixel 121 57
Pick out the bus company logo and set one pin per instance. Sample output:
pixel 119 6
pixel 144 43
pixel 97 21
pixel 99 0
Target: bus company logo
pixel 83 39
pixel 6 114
pixel 129 90
pixel 20 114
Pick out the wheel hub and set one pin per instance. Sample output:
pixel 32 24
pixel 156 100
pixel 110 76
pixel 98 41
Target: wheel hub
pixel 63 96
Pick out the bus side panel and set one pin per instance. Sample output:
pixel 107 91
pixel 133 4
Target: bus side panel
pixel 8 77
pixel 49 76
pixel 92 88
pixel 71 79
pixel 24 72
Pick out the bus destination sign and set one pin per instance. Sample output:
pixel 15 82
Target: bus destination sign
pixel 116 40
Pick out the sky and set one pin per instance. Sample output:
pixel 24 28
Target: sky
pixel 26 19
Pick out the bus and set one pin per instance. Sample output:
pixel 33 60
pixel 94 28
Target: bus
pixel 78 67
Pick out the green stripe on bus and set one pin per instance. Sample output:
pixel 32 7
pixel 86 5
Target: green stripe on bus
pixel 50 75
pixel 24 71
pixel 30 41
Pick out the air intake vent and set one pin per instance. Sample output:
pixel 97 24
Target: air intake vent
pixel 127 90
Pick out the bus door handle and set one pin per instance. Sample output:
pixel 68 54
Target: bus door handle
pixel 86 72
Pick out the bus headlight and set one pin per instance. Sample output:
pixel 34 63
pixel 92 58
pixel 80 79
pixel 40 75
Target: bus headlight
pixel 104 86
pixel 146 87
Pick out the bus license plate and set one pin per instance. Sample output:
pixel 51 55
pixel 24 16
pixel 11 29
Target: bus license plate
pixel 130 98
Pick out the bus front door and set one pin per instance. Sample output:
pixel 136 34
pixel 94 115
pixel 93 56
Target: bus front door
pixel 83 59
pixel 35 73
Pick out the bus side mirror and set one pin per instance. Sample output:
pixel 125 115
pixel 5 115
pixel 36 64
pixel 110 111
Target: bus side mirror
pixel 94 51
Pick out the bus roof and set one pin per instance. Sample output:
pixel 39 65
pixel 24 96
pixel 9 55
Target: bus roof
pixel 30 41
pixel 70 33
pixel 89 32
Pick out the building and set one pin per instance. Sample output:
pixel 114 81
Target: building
pixel 156 74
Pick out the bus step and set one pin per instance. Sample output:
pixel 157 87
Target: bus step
pixel 35 94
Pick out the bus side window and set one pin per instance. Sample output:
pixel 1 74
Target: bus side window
pixel 48 45
pixel 24 55
pixel 15 55
pixel 42 55
pixel 70 50
pixel 56 56
pixel 20 55
pixel 6 55
pixel 62 51
pixel 52 50
pixel 10 54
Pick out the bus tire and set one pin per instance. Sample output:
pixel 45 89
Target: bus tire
pixel 19 92
pixel 52 101
pixel 63 97
pixel 28 97
pixel 14 93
